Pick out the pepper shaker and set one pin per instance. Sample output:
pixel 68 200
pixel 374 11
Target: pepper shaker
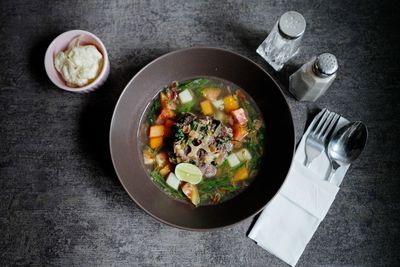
pixel 284 40
pixel 313 79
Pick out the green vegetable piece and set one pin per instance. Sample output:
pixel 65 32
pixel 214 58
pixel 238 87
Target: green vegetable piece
pixel 160 181
pixel 193 85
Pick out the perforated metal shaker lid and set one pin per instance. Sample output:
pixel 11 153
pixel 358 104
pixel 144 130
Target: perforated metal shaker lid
pixel 325 65
pixel 292 24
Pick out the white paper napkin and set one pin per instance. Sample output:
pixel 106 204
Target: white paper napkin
pixel 291 218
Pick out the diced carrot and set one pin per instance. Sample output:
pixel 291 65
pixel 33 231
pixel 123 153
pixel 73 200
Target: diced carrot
pixel 240 175
pixel 164 115
pixel 156 142
pixel 156 131
pixel 211 93
pixel 239 132
pixel 167 127
pixel 240 116
pixel 164 171
pixel 230 103
pixel 206 107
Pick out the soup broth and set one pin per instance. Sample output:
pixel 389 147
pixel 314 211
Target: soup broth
pixel 202 140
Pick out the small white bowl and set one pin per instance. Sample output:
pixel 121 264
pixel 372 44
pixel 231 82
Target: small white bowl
pixel 60 43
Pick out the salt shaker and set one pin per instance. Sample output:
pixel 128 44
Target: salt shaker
pixel 313 79
pixel 284 39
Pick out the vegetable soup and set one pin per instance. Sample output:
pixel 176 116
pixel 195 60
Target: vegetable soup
pixel 204 140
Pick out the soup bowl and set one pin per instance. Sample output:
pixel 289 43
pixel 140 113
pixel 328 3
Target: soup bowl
pixel 125 145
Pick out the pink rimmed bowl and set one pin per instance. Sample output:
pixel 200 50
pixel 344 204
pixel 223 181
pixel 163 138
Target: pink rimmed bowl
pixel 60 43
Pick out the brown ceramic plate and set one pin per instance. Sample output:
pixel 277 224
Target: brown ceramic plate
pixel 182 65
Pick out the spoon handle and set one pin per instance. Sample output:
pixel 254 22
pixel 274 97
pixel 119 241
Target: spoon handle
pixel 333 167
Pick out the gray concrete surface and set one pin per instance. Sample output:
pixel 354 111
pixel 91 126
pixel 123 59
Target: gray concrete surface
pixel 60 200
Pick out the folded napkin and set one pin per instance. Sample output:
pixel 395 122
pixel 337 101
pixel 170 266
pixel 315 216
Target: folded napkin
pixel 291 218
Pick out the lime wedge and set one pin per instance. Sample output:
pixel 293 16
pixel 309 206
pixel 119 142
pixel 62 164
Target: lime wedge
pixel 189 173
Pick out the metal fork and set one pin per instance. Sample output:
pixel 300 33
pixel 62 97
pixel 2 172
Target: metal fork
pixel 316 139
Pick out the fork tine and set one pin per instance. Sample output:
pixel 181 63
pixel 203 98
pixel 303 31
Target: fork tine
pixel 317 119
pixel 321 122
pixel 326 124
pixel 332 125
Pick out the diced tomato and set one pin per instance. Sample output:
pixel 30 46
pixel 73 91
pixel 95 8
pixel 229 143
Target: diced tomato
pixel 168 126
pixel 239 132
pixel 240 116
pixel 164 115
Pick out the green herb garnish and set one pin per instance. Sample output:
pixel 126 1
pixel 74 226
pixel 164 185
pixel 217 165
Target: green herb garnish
pixel 210 186
pixel 160 181
pixel 184 108
pixel 179 135
pixel 154 110
pixel 194 85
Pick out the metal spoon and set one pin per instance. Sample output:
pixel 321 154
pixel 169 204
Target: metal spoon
pixel 346 145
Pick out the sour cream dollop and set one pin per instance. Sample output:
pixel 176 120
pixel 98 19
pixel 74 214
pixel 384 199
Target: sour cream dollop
pixel 79 65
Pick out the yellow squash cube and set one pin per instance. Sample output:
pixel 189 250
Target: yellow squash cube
pixel 156 142
pixel 240 175
pixel 206 107
pixel 230 103
pixel 156 131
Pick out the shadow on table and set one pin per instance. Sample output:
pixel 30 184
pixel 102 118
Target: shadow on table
pixel 97 113
pixel 95 119
pixel 248 38
pixel 36 57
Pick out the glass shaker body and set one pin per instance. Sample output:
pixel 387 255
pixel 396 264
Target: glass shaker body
pixel 284 40
pixel 306 85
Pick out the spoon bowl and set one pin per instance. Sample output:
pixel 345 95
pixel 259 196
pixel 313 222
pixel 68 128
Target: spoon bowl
pixel 347 144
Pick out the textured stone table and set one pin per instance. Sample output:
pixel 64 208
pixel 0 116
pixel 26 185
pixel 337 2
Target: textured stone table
pixel 61 202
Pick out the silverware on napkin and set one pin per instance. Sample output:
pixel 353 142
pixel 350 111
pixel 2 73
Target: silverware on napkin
pixel 346 145
pixel 316 139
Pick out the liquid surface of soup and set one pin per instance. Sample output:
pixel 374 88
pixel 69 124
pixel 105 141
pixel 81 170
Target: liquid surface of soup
pixel 202 140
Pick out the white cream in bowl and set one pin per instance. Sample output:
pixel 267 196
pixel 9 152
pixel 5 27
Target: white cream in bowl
pixel 79 65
